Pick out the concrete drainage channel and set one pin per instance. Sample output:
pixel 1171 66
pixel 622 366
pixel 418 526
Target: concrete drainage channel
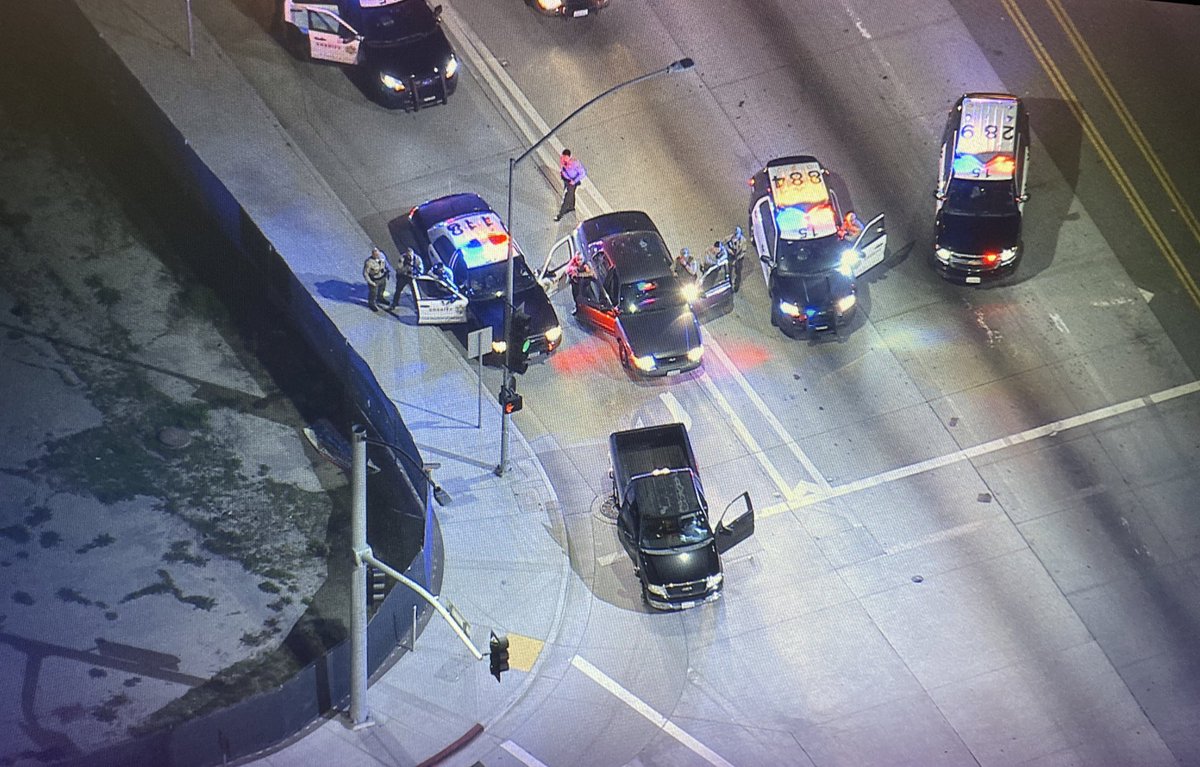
pixel 159 445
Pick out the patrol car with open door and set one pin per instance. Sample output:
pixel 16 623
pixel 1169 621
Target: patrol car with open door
pixel 982 176
pixel 810 254
pixel 397 47
pixel 462 242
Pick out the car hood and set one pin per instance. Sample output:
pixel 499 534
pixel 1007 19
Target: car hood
pixel 812 291
pixel 681 566
pixel 542 317
pixel 411 58
pixel 976 235
pixel 663 333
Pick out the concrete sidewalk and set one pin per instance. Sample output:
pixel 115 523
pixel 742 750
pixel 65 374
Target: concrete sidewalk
pixel 505 568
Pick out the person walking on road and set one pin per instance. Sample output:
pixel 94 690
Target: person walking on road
pixel 375 272
pixel 406 266
pixel 573 173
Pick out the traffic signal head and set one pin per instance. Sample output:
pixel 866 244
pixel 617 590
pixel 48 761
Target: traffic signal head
pixel 510 400
pixel 498 647
pixel 517 351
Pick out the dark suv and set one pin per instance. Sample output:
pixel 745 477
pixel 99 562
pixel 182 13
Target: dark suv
pixel 981 194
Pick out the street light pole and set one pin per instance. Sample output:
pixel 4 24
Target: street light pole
pixel 509 379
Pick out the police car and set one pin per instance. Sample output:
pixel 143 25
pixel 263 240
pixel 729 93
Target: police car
pixel 567 8
pixel 810 251
pixel 397 45
pixel 463 247
pixel 981 193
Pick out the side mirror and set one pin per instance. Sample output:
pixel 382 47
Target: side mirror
pixel 1023 198
pixel 939 196
pixel 437 12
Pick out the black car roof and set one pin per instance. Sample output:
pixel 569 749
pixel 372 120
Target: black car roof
pixel 643 257
pixel 598 228
pixel 448 207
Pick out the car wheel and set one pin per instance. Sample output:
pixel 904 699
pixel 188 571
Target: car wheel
pixel 623 353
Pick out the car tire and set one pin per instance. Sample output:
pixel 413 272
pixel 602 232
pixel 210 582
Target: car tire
pixel 623 353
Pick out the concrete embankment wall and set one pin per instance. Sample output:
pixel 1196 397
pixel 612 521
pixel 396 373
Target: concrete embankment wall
pixel 266 719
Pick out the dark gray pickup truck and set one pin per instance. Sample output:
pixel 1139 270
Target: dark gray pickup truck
pixel 663 517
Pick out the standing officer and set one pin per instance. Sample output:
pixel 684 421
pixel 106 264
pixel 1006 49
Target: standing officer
pixel 375 272
pixel 573 173
pixel 406 266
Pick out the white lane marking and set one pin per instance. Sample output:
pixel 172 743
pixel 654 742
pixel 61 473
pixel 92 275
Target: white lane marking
pixel 1058 323
pixel 677 411
pixel 1048 430
pixel 1116 301
pixel 770 418
pixel 747 438
pixel 513 101
pixel 1146 294
pixel 636 703
pixel 524 756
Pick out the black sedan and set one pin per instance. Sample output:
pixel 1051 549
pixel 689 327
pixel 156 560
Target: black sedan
pixel 811 251
pixel 624 285
pixel 463 242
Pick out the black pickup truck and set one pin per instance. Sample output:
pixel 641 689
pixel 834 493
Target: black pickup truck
pixel 663 517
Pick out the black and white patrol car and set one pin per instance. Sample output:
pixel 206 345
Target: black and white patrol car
pixel 982 175
pixel 463 247
pixel 397 46
pixel 808 246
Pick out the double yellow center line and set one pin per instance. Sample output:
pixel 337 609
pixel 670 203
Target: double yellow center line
pixel 1102 149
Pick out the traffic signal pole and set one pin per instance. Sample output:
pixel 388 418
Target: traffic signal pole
pixel 509 380
pixel 363 556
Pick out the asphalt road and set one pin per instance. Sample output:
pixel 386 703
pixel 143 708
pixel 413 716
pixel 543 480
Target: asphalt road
pixel 976 533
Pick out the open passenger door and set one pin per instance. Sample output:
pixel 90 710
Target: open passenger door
pixel 871 243
pixel 550 278
pixel 738 530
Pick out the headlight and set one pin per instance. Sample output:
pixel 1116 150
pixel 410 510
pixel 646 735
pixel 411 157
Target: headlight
pixel 553 334
pixel 451 67
pixel 695 354
pixel 1008 254
pixel 691 291
pixel 850 258
pixel 550 5
pixel 713 581
pixel 943 254
pixel 790 309
pixel 645 363
pixel 500 347
pixel 655 589
pixel 391 82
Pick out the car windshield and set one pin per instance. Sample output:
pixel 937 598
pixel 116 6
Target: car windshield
pixel 652 295
pixel 397 22
pixel 809 257
pixel 663 533
pixel 489 280
pixel 981 198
